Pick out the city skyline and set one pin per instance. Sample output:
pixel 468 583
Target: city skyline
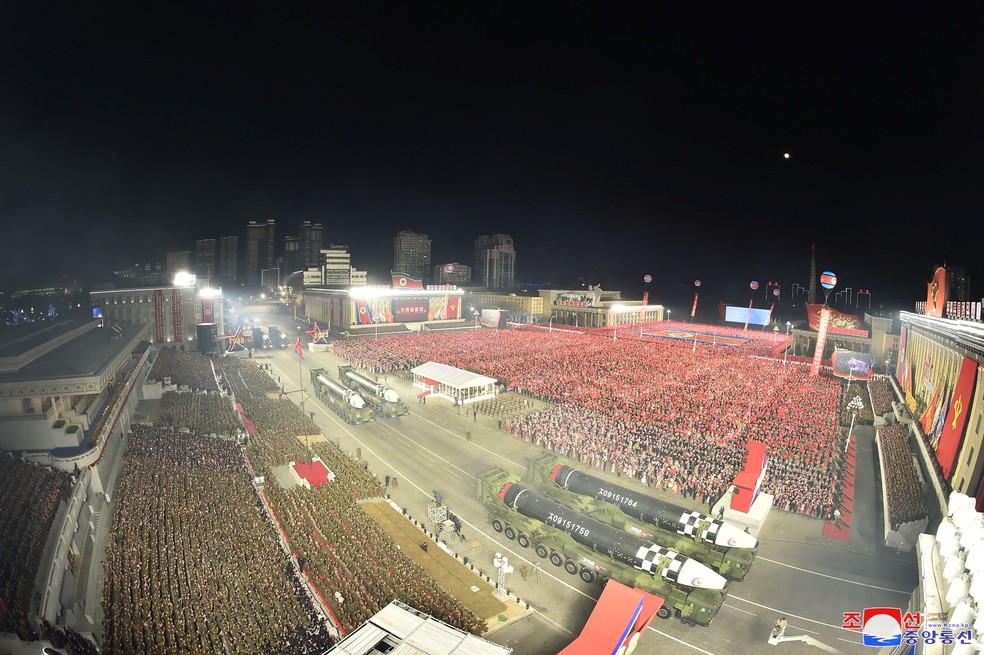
pixel 610 143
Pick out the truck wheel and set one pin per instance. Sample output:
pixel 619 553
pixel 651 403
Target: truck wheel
pixel 570 567
pixel 602 580
pixel 587 575
pixel 523 540
pixel 541 550
pixel 510 532
pixel 556 559
pixel 497 525
pixel 664 612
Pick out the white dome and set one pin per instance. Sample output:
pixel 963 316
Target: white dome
pixel 947 531
pixel 954 567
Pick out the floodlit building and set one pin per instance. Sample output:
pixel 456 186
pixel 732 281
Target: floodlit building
pixel 412 254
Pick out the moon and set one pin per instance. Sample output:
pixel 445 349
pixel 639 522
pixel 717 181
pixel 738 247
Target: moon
pixel 785 155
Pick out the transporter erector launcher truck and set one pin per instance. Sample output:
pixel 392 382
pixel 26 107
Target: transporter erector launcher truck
pixel 578 557
pixel 652 510
pixel 607 540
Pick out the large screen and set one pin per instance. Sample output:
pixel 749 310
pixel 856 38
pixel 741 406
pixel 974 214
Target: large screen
pixel 733 314
pixel 853 365
pixel 494 318
pixel 410 310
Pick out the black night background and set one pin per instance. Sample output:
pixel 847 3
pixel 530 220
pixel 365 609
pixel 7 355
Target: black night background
pixel 611 140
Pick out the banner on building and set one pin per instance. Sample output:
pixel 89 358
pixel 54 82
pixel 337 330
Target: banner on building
pixel 936 292
pixel 956 417
pixel 404 281
pixel 176 310
pixel 159 315
pixel 207 310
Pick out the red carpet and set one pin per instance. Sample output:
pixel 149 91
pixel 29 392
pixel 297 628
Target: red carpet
pixel 841 528
pixel 314 472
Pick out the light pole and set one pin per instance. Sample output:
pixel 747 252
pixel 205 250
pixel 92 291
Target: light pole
pixel 854 405
pixel 501 563
pixel 550 325
pixel 775 336
pixel 476 318
pixel 785 353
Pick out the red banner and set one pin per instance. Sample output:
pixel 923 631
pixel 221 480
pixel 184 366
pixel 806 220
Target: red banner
pixel 839 323
pixel 454 305
pixel 936 293
pixel 178 337
pixel 207 310
pixel 362 307
pixel 159 315
pixel 403 281
pixel 956 417
pixel 821 341
pixel 693 310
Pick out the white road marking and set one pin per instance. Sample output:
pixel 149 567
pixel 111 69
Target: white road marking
pixel 490 452
pixel 452 472
pixel 833 577
pixel 781 613
pixel 738 609
pixel 680 641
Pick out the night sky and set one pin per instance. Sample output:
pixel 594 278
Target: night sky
pixel 609 139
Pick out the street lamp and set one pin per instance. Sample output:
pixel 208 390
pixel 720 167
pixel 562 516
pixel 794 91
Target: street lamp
pixel 775 336
pixel 615 310
pixel 550 324
pixel 501 563
pixel 785 353
pixel 854 406
pixel 669 312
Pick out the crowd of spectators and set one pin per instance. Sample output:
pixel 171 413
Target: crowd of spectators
pixel 30 496
pixel 355 566
pixel 856 407
pixel 189 369
pixel 903 485
pixel 673 413
pixel 193 564
pixel 202 413
pixel 881 395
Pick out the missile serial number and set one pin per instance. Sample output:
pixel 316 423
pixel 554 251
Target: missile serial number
pixel 618 498
pixel 566 524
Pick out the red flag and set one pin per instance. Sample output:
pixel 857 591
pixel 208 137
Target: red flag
pixel 297 348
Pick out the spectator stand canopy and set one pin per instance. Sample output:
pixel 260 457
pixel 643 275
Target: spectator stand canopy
pixel 399 628
pixel 445 381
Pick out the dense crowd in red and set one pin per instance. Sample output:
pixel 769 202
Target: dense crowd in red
pixel 667 411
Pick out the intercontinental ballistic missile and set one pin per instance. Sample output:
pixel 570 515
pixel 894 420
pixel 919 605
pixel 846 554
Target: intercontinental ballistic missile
pixel 652 510
pixel 349 396
pixel 374 387
pixel 617 544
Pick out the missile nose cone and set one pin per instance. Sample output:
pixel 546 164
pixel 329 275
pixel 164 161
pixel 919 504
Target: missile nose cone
pixel 695 574
pixel 731 537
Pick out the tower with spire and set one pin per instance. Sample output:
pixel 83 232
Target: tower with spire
pixel 813 274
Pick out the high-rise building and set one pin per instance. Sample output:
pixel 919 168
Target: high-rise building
pixel 452 273
pixel 261 246
pixel 293 261
pixel 412 254
pixel 205 267
pixel 310 235
pixel 228 260
pixel 336 262
pixel 179 260
pixel 495 262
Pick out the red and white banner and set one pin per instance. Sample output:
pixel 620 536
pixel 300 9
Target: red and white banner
pixel 403 281
pixel 159 315
pixel 362 307
pixel 207 310
pixel 176 310
pixel 956 417
pixel 821 341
